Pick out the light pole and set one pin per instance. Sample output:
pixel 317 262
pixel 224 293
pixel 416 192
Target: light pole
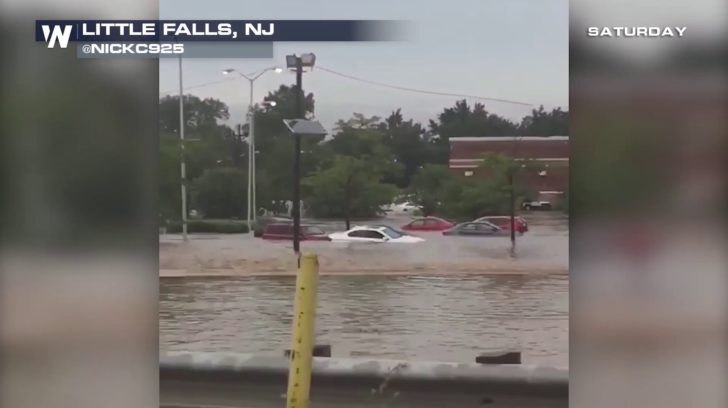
pixel 251 136
pixel 183 175
pixel 296 63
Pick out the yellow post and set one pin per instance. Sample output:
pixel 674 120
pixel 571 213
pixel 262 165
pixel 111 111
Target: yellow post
pixel 304 331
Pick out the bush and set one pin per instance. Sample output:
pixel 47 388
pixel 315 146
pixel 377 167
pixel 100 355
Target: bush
pixel 215 226
pixel 219 193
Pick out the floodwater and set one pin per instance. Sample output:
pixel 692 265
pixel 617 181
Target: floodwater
pixel 433 318
pixel 543 249
pixel 446 299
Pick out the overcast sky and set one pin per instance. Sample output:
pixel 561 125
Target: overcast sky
pixel 506 49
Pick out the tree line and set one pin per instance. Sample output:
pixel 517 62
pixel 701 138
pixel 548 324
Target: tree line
pixel 363 164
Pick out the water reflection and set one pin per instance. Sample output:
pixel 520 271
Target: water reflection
pixel 425 318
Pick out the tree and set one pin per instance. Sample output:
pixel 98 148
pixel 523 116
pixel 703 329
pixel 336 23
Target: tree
pixel 349 188
pixel 366 143
pixel 201 116
pixel 430 186
pixel 274 144
pixel 409 145
pixel 542 123
pixel 220 193
pixel 462 120
pixel 208 145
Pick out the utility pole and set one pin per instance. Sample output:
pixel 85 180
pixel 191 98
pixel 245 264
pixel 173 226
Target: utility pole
pixel 250 167
pixel 251 138
pixel 513 212
pixel 297 161
pixel 183 174
pixel 511 184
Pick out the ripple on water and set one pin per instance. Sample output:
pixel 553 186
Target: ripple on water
pixel 425 318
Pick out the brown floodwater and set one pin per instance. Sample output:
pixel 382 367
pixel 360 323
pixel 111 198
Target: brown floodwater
pixel 543 249
pixel 435 318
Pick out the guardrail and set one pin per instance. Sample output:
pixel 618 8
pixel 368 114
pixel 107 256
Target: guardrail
pixel 245 380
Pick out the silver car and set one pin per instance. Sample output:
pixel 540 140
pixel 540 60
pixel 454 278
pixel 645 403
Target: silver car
pixel 482 228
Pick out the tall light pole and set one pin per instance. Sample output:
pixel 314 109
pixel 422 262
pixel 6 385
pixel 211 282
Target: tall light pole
pixel 251 137
pixel 296 63
pixel 183 173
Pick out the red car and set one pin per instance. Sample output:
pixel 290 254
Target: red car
pixel 428 224
pixel 284 231
pixel 504 222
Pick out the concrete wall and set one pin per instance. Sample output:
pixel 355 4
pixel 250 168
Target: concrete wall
pixel 220 379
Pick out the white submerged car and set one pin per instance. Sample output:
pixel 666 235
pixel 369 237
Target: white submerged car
pixel 379 234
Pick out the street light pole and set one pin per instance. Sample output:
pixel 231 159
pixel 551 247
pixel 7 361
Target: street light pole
pixel 183 175
pixel 251 156
pixel 297 160
pixel 251 139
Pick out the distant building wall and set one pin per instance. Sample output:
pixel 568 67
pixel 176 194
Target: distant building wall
pixel 548 158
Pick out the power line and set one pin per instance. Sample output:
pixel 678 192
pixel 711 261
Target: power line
pixel 422 91
pixel 219 81
pixel 377 83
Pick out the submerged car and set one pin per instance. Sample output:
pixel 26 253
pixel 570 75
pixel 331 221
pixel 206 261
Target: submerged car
pixel 379 234
pixel 402 208
pixel 504 222
pixel 390 228
pixel 536 205
pixel 284 231
pixel 476 229
pixel 428 224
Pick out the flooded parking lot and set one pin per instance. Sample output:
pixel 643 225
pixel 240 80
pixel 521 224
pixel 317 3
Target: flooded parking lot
pixel 542 250
pixel 399 317
pixel 446 299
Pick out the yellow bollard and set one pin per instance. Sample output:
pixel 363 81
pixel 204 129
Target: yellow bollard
pixel 304 332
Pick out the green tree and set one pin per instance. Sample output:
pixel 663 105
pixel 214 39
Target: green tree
pixel 366 142
pixel 409 144
pixel 542 123
pixel 430 187
pixel 349 188
pixel 462 120
pixel 489 191
pixel 274 144
pixel 208 144
pixel 201 116
pixel 219 193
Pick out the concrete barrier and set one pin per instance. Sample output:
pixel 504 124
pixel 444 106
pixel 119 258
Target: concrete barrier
pixel 242 380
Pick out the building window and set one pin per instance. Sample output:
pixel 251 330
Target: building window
pixel 468 173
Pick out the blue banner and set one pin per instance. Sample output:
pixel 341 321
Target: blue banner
pixel 213 30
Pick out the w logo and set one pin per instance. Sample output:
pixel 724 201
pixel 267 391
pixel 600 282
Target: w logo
pixel 60 34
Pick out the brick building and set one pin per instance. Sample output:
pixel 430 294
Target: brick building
pixel 548 173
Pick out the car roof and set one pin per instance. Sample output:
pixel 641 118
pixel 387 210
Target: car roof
pixel 498 216
pixel 367 227
pixel 479 222
pixel 429 217
pixel 289 224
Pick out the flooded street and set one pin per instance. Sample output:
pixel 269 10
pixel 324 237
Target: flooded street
pixel 446 299
pixel 542 250
pixel 398 317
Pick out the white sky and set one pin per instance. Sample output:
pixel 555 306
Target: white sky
pixel 507 49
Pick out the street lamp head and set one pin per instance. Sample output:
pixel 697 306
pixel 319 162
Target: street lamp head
pixel 291 61
pixel 228 71
pixel 308 60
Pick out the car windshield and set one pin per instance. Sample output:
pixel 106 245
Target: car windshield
pixel 391 232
